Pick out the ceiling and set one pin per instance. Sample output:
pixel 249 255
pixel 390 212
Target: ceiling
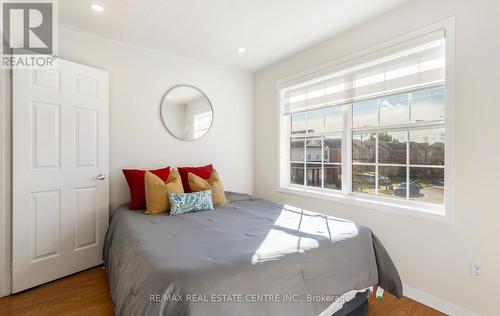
pixel 213 30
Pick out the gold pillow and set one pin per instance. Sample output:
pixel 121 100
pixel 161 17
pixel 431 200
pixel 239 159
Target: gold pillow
pixel 157 191
pixel 214 183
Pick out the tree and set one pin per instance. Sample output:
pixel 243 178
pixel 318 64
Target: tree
pixel 384 136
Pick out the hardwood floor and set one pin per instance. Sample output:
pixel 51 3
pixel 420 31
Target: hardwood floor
pixel 391 306
pixel 86 293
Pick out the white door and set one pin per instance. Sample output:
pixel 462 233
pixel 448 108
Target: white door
pixel 60 163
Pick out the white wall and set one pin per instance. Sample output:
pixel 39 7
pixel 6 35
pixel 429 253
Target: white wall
pixel 432 258
pixel 138 79
pixel 5 174
pixel 175 118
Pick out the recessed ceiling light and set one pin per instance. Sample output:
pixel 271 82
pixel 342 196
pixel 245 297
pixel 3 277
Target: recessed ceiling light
pixel 242 50
pixel 96 7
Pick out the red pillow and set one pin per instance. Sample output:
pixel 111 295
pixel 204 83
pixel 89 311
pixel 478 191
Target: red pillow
pixel 203 172
pixel 135 180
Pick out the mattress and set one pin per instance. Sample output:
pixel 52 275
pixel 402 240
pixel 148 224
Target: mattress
pixel 251 257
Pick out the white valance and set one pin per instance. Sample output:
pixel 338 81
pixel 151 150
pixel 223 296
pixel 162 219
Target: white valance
pixel 411 65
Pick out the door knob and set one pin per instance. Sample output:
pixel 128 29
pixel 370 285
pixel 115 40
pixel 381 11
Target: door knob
pixel 101 177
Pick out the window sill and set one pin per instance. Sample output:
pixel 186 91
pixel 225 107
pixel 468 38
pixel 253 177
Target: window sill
pixel 417 210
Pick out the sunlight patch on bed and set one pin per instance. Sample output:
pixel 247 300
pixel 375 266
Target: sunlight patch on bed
pixel 297 230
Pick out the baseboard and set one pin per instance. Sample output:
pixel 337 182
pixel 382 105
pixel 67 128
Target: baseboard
pixel 435 302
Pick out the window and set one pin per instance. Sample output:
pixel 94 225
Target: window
pixel 202 123
pixel 316 148
pixel 373 130
pixel 394 153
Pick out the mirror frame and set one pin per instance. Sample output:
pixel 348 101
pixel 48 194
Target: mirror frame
pixel 161 111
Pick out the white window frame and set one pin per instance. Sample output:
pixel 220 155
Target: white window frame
pixel 197 115
pixel 441 213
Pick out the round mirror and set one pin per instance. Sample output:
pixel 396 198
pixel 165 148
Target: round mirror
pixel 186 112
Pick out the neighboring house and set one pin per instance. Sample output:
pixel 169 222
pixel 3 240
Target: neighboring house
pixel 427 154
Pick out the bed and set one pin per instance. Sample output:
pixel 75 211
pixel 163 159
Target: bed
pixel 251 257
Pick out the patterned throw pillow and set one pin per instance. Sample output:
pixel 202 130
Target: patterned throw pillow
pixel 181 203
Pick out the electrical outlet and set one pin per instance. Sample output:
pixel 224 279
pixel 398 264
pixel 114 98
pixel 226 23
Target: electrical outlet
pixel 475 271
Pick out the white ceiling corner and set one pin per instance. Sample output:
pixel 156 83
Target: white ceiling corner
pixel 214 30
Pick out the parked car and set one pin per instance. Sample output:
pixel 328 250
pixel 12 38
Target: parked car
pixel 369 177
pixel 400 190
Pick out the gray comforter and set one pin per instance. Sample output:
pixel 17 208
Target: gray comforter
pixel 252 257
